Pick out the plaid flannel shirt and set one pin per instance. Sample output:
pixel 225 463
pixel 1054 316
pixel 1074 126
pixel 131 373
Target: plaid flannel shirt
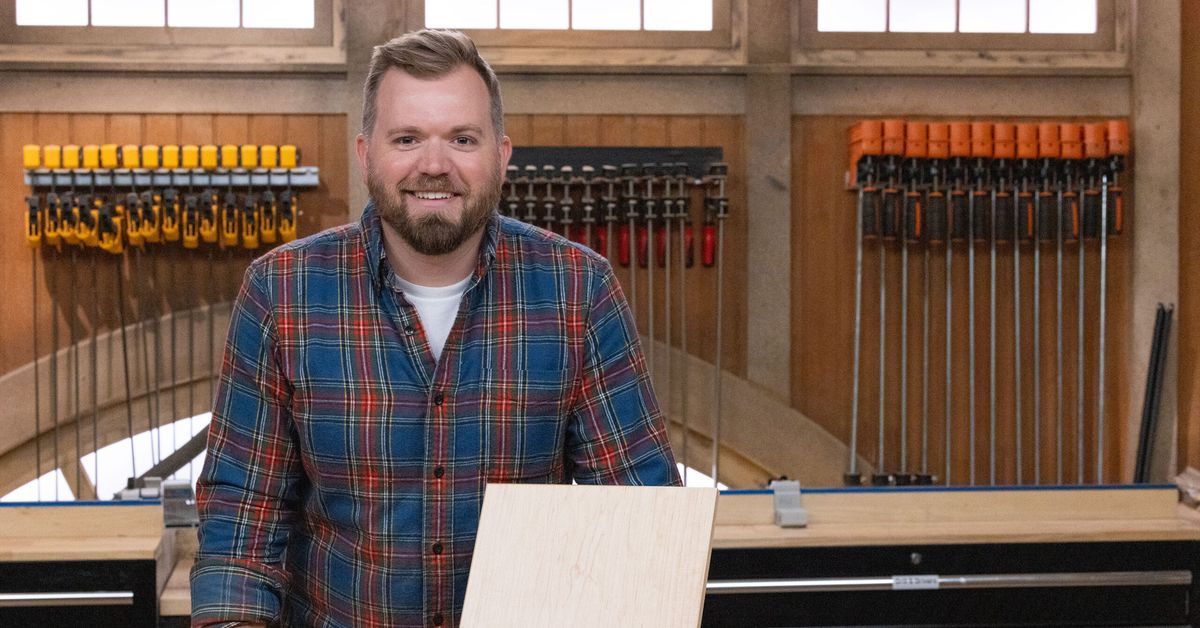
pixel 346 466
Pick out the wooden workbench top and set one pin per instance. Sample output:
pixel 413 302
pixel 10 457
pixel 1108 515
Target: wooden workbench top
pixel 81 532
pixel 939 517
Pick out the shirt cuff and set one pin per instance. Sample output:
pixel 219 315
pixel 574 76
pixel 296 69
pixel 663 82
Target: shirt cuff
pixel 225 590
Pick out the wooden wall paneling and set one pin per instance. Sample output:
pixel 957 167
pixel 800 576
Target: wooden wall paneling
pixel 681 131
pixel 230 264
pixel 547 130
pixel 582 130
pixel 171 279
pixel 304 131
pixel 331 199
pixel 823 282
pixel 727 132
pixel 1187 315
pixel 16 130
pixel 617 130
pixel 518 128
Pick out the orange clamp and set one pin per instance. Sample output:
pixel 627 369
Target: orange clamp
pixel 1094 144
pixel 1004 141
pixel 1118 137
pixel 1027 141
pixel 916 141
pixel 893 137
pixel 981 139
pixel 1070 137
pixel 1048 144
pixel 960 139
pixel 938 135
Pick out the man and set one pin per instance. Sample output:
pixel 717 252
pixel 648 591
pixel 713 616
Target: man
pixel 378 375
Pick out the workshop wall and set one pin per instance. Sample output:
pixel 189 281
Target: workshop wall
pixel 320 138
pixel 1188 312
pixel 823 263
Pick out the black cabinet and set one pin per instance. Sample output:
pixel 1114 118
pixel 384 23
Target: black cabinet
pixel 1163 589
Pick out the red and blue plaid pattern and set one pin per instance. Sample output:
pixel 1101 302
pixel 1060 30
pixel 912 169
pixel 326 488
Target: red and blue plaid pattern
pixel 346 466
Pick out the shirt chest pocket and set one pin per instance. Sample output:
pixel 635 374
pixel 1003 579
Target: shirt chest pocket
pixel 522 421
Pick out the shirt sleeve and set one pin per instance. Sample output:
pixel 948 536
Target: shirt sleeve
pixel 247 493
pixel 617 433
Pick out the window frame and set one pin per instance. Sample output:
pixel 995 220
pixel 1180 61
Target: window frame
pixel 810 38
pixel 320 35
pixel 726 14
pixel 1105 52
pixel 177 48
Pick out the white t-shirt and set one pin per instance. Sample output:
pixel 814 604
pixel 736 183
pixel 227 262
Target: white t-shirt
pixel 436 307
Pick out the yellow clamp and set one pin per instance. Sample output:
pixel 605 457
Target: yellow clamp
pixel 33 222
pixel 70 156
pixel 289 156
pixel 188 222
pixel 150 157
pixel 52 220
pixel 269 218
pixel 251 218
pixel 69 227
pixel 229 221
pixel 108 156
pixel 170 215
pixel 130 156
pixel 269 157
pixel 112 231
pixel 135 214
pixel 208 157
pixel 91 157
pixel 31 156
pixel 229 156
pixel 170 156
pixel 52 156
pixel 191 157
pixel 88 228
pixel 152 223
pixel 249 158
pixel 209 217
pixel 289 210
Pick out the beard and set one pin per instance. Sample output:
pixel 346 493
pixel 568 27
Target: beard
pixel 434 234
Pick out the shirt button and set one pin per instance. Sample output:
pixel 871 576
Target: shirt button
pixel 438 399
pixel 439 472
pixel 437 619
pixel 410 330
pixel 437 548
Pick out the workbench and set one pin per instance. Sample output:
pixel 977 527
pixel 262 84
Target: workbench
pixel 950 556
pixel 97 565
pixel 1013 556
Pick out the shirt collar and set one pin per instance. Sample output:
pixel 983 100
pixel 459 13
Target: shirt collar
pixel 376 257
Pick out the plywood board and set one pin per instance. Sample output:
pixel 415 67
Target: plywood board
pixel 582 556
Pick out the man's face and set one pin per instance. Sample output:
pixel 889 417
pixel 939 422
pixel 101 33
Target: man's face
pixel 433 163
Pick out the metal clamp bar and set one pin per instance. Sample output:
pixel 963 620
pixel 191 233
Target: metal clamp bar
pixel 974 581
pixel 88 598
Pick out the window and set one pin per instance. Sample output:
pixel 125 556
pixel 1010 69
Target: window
pixel 586 23
pixel 961 16
pixel 173 13
pixel 168 22
pixel 991 25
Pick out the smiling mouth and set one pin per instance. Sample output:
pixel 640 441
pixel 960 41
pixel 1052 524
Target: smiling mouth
pixel 432 196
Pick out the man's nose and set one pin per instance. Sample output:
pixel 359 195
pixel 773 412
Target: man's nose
pixel 434 159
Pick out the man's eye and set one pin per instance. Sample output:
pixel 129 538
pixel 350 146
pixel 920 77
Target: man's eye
pixel 463 140
pixel 405 140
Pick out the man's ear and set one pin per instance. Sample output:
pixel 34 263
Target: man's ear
pixel 360 149
pixel 505 153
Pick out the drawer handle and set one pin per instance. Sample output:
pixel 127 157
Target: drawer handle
pixel 88 598
pixel 974 581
